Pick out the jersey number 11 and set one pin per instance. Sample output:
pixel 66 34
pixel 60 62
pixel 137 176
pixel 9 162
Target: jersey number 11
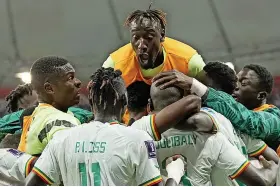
pixel 95 169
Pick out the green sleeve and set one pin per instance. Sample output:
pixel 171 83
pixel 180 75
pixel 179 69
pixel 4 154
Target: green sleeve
pixel 82 115
pixel 10 124
pixel 264 125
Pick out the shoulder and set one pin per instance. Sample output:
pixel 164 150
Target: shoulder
pixel 180 49
pixel 57 117
pixel 132 134
pixel 60 137
pixel 123 54
pixel 143 120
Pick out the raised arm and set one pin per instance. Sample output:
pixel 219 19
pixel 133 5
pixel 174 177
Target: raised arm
pixel 172 114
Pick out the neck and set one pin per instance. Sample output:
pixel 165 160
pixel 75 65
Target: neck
pixel 63 109
pixel 160 58
pixel 105 118
pixel 137 115
pixel 257 105
pixel 263 102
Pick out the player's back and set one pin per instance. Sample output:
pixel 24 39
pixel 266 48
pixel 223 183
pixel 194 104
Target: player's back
pixel 190 144
pixel 187 144
pixel 224 126
pixel 97 154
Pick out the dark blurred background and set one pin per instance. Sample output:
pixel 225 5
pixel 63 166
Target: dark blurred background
pixel 86 31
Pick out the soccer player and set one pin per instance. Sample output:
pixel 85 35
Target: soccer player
pixel 53 78
pixel 151 52
pixel 217 149
pixel 255 84
pixel 221 77
pixel 263 124
pixel 138 94
pixel 13 122
pixel 21 98
pixel 102 152
pixel 190 144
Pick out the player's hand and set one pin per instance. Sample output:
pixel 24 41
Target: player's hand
pixel 195 104
pixel 7 135
pixel 272 170
pixel 175 167
pixel 266 164
pixel 173 78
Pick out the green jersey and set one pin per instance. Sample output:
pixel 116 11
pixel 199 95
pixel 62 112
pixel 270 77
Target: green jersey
pixel 263 124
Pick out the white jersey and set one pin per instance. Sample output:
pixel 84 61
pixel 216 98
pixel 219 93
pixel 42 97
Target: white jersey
pixel 147 124
pixel 246 144
pixel 190 144
pixel 99 154
pixel 218 153
pixel 14 167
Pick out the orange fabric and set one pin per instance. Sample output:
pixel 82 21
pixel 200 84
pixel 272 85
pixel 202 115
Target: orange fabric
pixel 126 117
pixel 177 57
pixel 264 107
pixel 26 124
pixel 27 120
pixel 278 151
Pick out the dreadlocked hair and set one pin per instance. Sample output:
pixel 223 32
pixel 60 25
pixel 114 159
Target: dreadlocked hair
pixel 223 75
pixel 265 77
pixel 152 14
pixel 16 94
pixel 106 88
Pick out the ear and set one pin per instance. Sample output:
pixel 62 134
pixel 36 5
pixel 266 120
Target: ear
pixel 48 87
pixel 262 95
pixel 150 106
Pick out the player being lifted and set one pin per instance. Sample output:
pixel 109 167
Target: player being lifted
pixel 101 152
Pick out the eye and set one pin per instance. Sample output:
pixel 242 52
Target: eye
pixel 243 83
pixel 135 37
pixel 150 37
pixel 71 77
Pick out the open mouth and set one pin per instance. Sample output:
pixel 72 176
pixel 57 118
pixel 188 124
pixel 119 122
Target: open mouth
pixel 234 96
pixel 144 56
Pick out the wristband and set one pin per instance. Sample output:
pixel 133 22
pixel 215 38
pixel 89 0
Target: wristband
pixel 198 88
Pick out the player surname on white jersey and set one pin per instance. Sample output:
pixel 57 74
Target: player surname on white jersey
pixel 122 156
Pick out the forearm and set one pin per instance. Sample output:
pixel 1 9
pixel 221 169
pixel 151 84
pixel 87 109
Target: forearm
pixel 175 112
pixel 270 154
pixel 254 179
